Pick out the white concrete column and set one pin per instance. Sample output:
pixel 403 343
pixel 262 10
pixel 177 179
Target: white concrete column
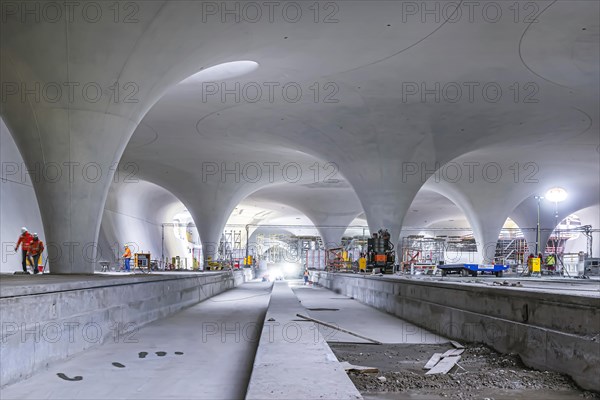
pixel 71 156
pixel 69 125
pixel 330 210
pixel 210 205
pixel 331 236
pixel 386 211
pixel 525 215
pixel 210 223
pixel 385 193
pixel 486 211
pixel 332 222
pixel 486 236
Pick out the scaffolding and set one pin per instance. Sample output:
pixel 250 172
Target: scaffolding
pixel 511 251
pixel 307 247
pixel 421 253
pixel 230 248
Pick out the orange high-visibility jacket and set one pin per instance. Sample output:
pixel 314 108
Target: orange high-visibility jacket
pixel 36 247
pixel 127 253
pixel 24 240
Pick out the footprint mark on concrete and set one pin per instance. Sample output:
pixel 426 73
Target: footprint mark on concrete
pixel 142 354
pixel 179 353
pixel 66 378
pixel 118 365
pixel 161 353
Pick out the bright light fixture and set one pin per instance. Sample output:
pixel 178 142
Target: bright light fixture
pixel 556 195
pixel 221 72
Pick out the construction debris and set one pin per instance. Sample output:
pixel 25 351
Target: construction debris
pixel 358 368
pixel 488 374
pixel 444 366
pixel 435 358
pixel 456 345
pixel 453 352
pixel 338 328
pixel 438 359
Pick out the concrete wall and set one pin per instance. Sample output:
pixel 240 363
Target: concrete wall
pixel 50 322
pixel 549 331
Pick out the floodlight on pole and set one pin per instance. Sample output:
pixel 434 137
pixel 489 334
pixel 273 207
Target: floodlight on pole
pixel 556 195
pixel 537 238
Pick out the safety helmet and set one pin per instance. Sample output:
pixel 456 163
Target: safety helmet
pixel 23 230
pixel 35 236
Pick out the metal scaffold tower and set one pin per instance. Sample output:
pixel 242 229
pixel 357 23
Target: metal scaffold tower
pixel 230 246
pixel 418 251
pixel 511 251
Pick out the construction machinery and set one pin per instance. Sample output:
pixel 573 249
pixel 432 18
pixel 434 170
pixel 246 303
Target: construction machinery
pixel 380 255
pixel 216 265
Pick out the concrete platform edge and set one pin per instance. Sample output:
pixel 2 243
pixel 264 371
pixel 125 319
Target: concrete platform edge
pixel 43 328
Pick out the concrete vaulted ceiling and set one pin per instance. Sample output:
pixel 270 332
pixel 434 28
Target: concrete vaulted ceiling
pixel 365 134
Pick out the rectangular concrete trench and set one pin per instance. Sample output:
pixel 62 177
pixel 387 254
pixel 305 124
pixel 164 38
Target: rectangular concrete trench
pixel 553 333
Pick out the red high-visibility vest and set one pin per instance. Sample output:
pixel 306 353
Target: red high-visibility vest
pixel 24 240
pixel 36 247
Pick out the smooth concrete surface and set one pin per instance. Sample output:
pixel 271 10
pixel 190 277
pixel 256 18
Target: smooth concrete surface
pixel 217 337
pixel 293 360
pixel 23 285
pixel 349 314
pixel 546 284
pixel 550 332
pixel 386 141
pixel 55 317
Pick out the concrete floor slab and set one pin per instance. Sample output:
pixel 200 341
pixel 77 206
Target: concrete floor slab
pixel 217 339
pixel 359 318
pixel 12 285
pixel 545 284
pixel 292 362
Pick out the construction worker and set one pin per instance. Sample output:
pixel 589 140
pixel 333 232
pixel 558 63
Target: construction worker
pixel 530 263
pixel 24 240
pixel 362 263
pixel 551 262
pixel 127 258
pixel 306 275
pixel 36 248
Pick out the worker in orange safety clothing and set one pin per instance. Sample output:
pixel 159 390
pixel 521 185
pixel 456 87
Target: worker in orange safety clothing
pixel 127 258
pixel 36 248
pixel 24 241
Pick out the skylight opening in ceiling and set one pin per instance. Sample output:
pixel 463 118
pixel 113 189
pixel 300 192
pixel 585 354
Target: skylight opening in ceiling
pixel 222 72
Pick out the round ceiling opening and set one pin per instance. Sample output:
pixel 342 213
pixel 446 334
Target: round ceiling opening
pixel 222 72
